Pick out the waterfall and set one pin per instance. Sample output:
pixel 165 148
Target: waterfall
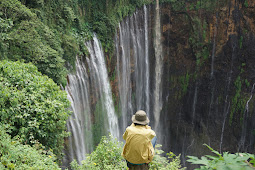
pixel 86 90
pixel 214 45
pixel 97 63
pixel 147 65
pixel 132 48
pixel 81 140
pixel 124 72
pixel 194 104
pixel 241 145
pixel 158 69
pixel 227 103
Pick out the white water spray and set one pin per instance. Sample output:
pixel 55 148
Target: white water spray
pixel 79 123
pixel 158 69
pixel 98 62
pixel 132 48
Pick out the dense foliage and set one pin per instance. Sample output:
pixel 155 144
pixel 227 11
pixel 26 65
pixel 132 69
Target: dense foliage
pixel 108 156
pixel 171 162
pixel 32 106
pixel 14 155
pixel 25 37
pixel 103 17
pixel 240 161
pixel 51 34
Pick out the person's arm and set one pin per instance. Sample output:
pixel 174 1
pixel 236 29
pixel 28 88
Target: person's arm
pixel 125 135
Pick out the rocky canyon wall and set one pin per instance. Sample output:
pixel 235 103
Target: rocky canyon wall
pixel 208 76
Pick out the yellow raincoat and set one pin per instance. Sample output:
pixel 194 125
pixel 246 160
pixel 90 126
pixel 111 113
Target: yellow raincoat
pixel 138 148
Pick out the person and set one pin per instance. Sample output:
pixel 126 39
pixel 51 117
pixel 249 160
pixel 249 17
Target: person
pixel 140 142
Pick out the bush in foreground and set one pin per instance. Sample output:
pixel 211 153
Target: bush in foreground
pixel 172 162
pixel 14 155
pixel 238 161
pixel 108 156
pixel 32 106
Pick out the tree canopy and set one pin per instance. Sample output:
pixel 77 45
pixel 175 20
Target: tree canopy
pixel 32 106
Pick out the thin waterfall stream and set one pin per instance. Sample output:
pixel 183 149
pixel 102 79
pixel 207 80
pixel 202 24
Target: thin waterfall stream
pixel 158 69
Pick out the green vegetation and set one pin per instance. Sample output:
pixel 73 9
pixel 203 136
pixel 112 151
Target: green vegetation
pixel 198 42
pixel 240 161
pixel 51 34
pixel 239 99
pixel 104 16
pixel 195 5
pixel 173 162
pixel 179 84
pixel 29 40
pixel 185 83
pixel 108 156
pixel 177 5
pixel 32 106
pixel 246 3
pixel 238 103
pixel 241 42
pixel 15 155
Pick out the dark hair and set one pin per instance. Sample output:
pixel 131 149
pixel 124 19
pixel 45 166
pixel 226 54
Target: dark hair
pixel 138 124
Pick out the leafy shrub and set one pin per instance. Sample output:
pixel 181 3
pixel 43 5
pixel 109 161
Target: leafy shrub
pixel 14 155
pixel 160 162
pixel 32 105
pixel 224 161
pixel 106 156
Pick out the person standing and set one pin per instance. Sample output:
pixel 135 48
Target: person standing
pixel 140 142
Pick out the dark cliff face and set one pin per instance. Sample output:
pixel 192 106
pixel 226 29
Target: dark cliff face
pixel 208 77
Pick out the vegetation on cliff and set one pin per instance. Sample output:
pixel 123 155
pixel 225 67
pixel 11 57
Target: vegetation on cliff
pixel 51 34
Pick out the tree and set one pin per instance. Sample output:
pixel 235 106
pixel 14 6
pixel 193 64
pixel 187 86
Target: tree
pixel 32 106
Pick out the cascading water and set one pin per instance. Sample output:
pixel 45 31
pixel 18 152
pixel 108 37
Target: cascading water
pixel 227 102
pixel 138 37
pixel 85 91
pixel 133 57
pixel 212 77
pixel 241 145
pixel 194 104
pixel 147 65
pixel 81 140
pixel 124 72
pixel 158 69
pixel 214 45
pixel 97 63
